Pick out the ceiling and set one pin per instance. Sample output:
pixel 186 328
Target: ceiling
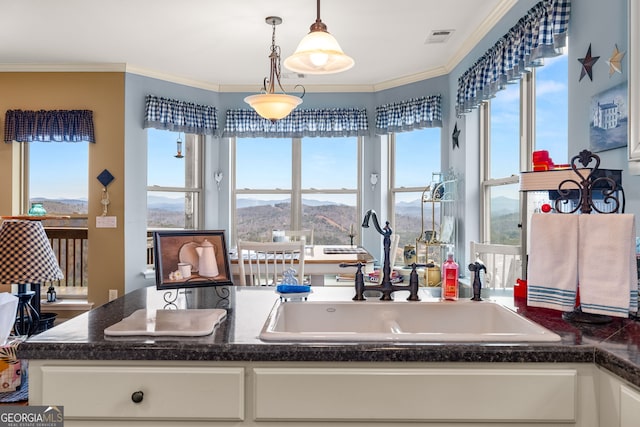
pixel 224 44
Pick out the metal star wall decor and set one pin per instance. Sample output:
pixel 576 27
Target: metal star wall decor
pixel 615 62
pixel 454 136
pixel 587 64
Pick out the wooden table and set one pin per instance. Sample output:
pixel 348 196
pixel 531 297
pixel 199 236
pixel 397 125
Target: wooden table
pixel 317 263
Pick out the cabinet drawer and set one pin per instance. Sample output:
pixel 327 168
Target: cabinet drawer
pixel 168 393
pixel 481 395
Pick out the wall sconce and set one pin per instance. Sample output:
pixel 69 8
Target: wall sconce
pixel 374 180
pixel 218 177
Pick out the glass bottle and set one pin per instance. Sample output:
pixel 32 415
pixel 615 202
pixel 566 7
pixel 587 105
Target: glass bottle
pixel 450 279
pixel 37 209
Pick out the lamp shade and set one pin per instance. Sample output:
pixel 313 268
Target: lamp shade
pixel 26 254
pixel 273 106
pixel 318 53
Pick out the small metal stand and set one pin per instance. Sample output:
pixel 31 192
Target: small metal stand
pixel 28 318
pixel 584 187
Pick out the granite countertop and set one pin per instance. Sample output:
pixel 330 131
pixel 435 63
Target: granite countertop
pixel 614 346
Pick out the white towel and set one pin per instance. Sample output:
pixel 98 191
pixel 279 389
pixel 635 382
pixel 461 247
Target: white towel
pixel 552 273
pixel 607 264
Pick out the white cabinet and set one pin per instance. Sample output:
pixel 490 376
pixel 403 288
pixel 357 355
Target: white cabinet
pixel 629 407
pixel 619 402
pixel 225 394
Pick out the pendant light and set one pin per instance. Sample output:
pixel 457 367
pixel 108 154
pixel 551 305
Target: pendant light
pixel 268 104
pixel 318 52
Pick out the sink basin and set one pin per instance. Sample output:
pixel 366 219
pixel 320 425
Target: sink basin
pixel 395 321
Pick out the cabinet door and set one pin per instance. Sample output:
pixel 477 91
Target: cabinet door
pixel 427 395
pixel 629 407
pixel 168 393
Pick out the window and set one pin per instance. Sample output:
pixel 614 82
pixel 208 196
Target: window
pixel 174 185
pixel 501 168
pixel 415 163
pixel 295 184
pixel 56 175
pixel 532 115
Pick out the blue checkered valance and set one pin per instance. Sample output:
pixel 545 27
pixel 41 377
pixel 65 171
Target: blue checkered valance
pixel 541 33
pixel 416 113
pixel 300 123
pixel 179 116
pixel 48 126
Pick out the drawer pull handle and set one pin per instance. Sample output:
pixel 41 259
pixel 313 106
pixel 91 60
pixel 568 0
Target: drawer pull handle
pixel 137 396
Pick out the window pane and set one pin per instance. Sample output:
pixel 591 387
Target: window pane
pixel 258 214
pixel 58 176
pixel 163 168
pixel 330 163
pixel 504 214
pixel 171 209
pixel 552 109
pixel 505 133
pixel 332 217
pixel 417 156
pixel 263 163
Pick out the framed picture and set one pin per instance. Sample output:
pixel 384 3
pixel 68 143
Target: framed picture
pixel 191 258
pixel 609 117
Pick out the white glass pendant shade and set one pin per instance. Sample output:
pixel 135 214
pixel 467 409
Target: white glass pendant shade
pixel 273 106
pixel 318 53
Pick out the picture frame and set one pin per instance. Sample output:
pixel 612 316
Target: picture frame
pixel 191 258
pixel 634 88
pixel 608 128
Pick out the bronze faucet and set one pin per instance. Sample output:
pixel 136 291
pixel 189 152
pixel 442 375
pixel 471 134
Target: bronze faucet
pixel 385 286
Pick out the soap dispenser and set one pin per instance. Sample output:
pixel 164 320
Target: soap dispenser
pixel 450 279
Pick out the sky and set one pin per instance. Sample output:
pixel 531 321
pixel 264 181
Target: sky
pixel 58 170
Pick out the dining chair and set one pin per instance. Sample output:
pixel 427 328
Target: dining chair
pixel 503 263
pixel 295 235
pixel 264 262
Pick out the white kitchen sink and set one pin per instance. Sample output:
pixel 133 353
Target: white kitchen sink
pixel 400 321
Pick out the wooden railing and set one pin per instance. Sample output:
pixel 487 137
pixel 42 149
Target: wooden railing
pixel 71 247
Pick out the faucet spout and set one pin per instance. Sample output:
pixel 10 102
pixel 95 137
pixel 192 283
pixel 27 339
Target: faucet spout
pixel 385 286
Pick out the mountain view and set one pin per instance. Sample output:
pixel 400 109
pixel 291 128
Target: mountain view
pixel 330 221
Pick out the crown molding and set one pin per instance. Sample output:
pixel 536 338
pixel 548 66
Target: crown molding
pixel 487 25
pixel 171 78
pixel 291 89
pixel 61 68
pixel 413 78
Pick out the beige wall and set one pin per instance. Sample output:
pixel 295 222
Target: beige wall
pixel 103 93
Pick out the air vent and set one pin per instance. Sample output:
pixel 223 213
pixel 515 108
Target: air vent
pixel 293 76
pixel 439 36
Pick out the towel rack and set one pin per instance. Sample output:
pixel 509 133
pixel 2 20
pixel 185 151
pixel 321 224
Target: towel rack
pixel 582 188
pixel 585 186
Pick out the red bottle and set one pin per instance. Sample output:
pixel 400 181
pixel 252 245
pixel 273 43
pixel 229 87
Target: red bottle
pixel 450 279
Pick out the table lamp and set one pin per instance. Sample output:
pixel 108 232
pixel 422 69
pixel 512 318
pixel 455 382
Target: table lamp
pixel 27 259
